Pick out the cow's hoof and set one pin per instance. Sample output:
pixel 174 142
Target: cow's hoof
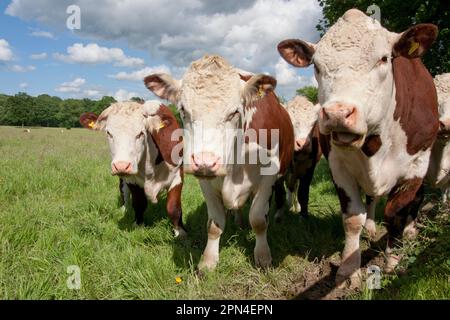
pixel 180 233
pixel 353 281
pixel 123 209
pixel 304 215
pixel 263 260
pixel 410 232
pixel 371 229
pixel 392 261
pixel 208 263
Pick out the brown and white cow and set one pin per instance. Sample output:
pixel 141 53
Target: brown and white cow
pixel 439 171
pixel 144 154
pixel 380 118
pixel 225 114
pixel 304 116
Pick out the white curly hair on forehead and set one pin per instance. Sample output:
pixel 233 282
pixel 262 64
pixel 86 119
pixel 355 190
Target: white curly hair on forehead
pixel 442 83
pixel 126 108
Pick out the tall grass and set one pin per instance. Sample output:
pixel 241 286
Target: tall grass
pixel 59 207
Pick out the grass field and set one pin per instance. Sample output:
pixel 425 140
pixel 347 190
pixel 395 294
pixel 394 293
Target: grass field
pixel 59 207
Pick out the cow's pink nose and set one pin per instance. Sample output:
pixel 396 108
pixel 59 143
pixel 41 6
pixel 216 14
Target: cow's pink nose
pixel 205 163
pixel 339 112
pixel 121 167
pixel 301 144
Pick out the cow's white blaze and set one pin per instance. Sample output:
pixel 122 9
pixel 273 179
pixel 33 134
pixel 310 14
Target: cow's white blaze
pixel 303 115
pixel 353 67
pixel 127 135
pixel 439 171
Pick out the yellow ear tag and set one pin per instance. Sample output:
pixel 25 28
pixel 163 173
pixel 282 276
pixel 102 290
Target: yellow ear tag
pixel 413 48
pixel 261 91
pixel 91 124
pixel 161 125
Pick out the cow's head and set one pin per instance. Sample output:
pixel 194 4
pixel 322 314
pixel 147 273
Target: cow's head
pixel 304 116
pixel 126 128
pixel 442 83
pixel 210 98
pixel 353 67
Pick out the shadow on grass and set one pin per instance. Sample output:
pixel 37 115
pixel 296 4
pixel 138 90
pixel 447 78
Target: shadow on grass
pixel 153 214
pixel 318 235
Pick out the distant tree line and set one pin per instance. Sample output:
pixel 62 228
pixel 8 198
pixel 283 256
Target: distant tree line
pixel 47 111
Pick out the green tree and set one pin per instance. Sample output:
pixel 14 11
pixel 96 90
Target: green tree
pixel 310 92
pixel 398 16
pixel 19 110
pixel 138 100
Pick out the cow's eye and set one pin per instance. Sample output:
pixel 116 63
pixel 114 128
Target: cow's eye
pixel 140 135
pixel 109 134
pixel 383 60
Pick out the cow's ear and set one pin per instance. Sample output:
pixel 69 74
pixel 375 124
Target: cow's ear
pixel 297 52
pixel 154 119
pixel 257 86
pixel 415 41
pixel 163 86
pixel 88 120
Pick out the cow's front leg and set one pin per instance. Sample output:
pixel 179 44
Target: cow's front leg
pixel 354 217
pixel 280 196
pixel 174 210
pixel 215 225
pixel 445 194
pixel 303 190
pixel 400 212
pixel 259 220
pixel 370 226
pixel 139 201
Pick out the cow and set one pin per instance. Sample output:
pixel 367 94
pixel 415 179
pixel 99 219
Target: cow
pixel 142 152
pixel 224 111
pixel 379 121
pixel 439 171
pixel 304 116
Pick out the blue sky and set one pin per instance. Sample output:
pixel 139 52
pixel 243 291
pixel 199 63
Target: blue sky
pixel 152 38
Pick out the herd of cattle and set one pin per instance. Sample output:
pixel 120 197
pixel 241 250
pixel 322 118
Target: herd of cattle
pixel 382 123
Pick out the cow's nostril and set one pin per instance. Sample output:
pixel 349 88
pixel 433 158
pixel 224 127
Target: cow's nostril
pixel 350 112
pixel 325 115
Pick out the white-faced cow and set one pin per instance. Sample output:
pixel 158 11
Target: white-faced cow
pixel 380 118
pixel 439 171
pixel 223 112
pixel 304 116
pixel 141 145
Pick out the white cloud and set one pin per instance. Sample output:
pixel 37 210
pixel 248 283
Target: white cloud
pixel 23 85
pixel 139 75
pixel 124 95
pixel 288 79
pixel 71 86
pixel 39 56
pixel 42 34
pixel 92 53
pixel 19 68
pixel 5 51
pixel 245 32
